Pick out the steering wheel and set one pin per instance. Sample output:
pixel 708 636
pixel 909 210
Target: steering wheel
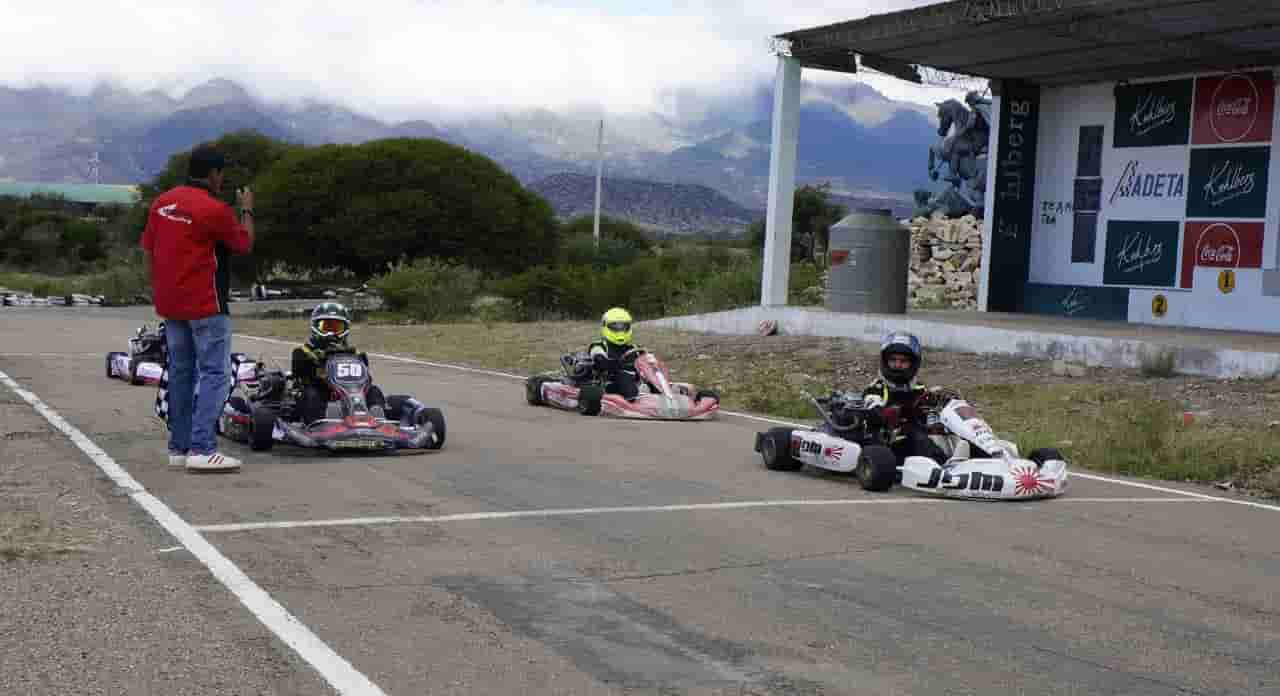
pixel 631 355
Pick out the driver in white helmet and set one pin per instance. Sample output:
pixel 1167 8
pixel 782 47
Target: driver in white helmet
pixel 900 402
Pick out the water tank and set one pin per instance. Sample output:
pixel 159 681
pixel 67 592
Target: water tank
pixel 869 254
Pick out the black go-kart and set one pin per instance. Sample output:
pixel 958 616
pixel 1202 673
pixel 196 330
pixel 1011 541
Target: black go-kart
pixel 268 408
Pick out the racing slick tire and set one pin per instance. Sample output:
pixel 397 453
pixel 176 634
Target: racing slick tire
pixel 589 397
pixel 110 357
pixel 1044 454
pixel 707 394
pixel 133 372
pixel 395 406
pixel 262 423
pixel 435 417
pixel 533 389
pixel 775 447
pixel 374 397
pixel 877 468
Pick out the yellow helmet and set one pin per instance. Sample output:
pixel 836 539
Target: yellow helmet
pixel 615 326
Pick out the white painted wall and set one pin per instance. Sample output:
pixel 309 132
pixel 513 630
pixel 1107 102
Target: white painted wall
pixel 1063 112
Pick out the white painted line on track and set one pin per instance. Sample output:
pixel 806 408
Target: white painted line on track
pixel 738 505
pixel 762 419
pixel 332 667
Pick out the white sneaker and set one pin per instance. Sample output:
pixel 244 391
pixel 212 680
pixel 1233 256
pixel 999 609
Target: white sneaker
pixel 177 461
pixel 212 462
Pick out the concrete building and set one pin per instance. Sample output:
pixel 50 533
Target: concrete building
pixel 1132 174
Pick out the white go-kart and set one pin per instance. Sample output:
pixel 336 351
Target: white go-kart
pixel 979 465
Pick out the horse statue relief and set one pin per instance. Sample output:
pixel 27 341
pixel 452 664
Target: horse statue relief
pixel 964 132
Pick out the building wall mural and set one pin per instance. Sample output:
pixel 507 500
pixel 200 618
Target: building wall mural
pixel 1159 197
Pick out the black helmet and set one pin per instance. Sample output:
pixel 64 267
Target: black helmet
pixel 900 343
pixel 330 323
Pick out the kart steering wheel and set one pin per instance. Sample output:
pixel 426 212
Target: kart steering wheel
pixel 631 355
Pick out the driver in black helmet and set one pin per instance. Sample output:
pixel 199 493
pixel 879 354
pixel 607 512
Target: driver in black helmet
pixel 330 326
pixel 899 401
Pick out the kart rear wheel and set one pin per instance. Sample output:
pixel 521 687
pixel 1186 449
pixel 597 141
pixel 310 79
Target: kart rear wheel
pixel 261 426
pixel 533 390
pixel 707 393
pixel 589 397
pixel 877 468
pixel 775 448
pixel 1044 454
pixel 434 417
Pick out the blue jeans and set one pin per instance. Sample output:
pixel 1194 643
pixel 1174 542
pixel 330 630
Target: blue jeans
pixel 199 353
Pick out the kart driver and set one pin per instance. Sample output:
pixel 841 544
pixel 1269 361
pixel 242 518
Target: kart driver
pixel 899 401
pixel 606 354
pixel 330 326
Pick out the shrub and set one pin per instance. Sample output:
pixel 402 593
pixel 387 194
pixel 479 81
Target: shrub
pixel 428 289
pixel 612 253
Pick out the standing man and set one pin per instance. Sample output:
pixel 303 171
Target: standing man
pixel 188 234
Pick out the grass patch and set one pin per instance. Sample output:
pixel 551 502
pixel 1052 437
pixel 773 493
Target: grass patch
pixel 1123 425
pixel 30 536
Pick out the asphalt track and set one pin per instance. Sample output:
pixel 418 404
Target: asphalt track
pixel 545 553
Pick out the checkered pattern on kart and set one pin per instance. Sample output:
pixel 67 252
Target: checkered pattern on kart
pixel 161 406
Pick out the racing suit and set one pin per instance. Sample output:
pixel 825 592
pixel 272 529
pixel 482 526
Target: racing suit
pixel 620 379
pixel 308 363
pixel 911 437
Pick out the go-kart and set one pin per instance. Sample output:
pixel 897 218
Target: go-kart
pixel 267 408
pixel 855 439
pixel 579 387
pixel 144 362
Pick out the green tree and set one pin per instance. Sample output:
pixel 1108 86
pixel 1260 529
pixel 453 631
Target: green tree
pixel 812 216
pixel 360 207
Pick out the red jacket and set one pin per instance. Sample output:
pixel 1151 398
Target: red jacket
pixel 188 234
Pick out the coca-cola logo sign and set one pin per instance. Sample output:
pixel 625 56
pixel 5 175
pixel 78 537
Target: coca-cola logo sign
pixel 1234 108
pixel 1220 245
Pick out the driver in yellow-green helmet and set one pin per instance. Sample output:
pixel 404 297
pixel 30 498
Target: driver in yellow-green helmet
pixel 608 353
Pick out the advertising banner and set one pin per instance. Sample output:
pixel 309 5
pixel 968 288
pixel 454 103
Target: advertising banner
pixel 1235 108
pixel 1220 245
pixel 1141 253
pixel 1146 183
pixel 1078 301
pixel 1013 213
pixel 1228 182
pixel 1153 114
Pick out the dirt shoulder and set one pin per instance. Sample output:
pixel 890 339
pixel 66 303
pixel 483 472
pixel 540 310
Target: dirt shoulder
pixel 1113 421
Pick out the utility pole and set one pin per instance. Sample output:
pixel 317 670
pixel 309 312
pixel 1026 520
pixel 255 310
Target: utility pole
pixel 599 173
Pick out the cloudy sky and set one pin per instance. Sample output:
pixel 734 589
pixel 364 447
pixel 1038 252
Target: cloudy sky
pixel 414 58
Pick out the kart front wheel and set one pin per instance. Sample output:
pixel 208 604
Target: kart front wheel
pixel 775 447
pixel 533 390
pixel 395 406
pixel 1045 454
pixel 589 398
pixel 110 374
pixel 877 468
pixel 261 427
pixel 435 418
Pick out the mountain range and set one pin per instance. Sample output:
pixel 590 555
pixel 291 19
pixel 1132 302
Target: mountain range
pixel 872 149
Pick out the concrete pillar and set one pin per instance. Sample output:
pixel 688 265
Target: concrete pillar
pixel 782 183
pixel 993 140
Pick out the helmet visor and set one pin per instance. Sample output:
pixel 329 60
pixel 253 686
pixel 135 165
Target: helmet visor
pixel 618 326
pixel 331 327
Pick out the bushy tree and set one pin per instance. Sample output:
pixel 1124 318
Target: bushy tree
pixel 363 206
pixel 812 216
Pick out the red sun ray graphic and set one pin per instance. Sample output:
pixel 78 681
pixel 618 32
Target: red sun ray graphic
pixel 1028 481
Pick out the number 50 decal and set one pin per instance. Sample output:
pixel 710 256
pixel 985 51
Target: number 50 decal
pixel 350 370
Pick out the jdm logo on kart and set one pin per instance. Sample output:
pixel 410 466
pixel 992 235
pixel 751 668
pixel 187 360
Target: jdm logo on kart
pixel 809 447
pixel 974 481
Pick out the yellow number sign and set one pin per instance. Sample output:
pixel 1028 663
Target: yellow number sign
pixel 1159 305
pixel 1227 280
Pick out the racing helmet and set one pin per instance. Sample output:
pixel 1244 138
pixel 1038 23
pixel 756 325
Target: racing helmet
pixel 615 326
pixel 900 343
pixel 330 323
